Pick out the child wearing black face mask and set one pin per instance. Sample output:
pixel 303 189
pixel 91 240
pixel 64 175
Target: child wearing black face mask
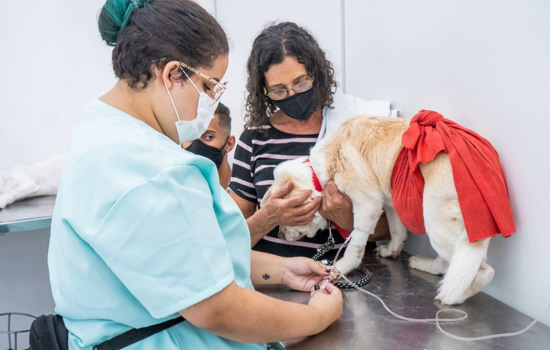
pixel 216 142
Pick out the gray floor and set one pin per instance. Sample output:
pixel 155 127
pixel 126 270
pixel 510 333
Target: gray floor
pixel 365 324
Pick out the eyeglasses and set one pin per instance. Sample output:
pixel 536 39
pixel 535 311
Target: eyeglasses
pixel 219 88
pixel 280 94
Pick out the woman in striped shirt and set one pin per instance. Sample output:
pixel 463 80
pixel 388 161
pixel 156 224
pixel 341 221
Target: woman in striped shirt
pixel 292 102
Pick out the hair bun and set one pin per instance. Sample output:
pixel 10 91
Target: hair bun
pixel 114 15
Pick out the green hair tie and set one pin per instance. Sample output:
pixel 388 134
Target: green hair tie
pixel 118 13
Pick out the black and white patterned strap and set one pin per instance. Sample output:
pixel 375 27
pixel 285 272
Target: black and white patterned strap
pixel 328 246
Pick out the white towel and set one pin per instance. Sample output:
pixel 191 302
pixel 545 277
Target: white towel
pixel 24 181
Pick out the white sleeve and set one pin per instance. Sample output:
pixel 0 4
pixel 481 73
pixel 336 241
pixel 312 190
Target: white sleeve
pixel 348 106
pixel 372 108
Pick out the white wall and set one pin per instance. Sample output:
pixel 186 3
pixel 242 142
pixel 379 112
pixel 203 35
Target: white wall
pixel 486 65
pixel 53 63
pixel 59 64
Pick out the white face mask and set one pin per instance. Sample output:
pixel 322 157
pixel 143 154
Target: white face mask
pixel 189 130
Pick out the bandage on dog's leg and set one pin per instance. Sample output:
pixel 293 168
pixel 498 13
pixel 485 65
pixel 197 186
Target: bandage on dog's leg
pixel 366 213
pixel 354 252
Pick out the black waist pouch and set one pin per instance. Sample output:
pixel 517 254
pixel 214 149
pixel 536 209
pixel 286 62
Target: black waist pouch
pixel 48 332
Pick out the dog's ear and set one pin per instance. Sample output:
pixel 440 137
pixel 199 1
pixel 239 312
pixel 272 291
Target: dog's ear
pixel 266 197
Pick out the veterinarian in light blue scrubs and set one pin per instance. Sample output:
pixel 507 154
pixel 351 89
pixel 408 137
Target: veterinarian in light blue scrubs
pixel 142 231
pixel 138 237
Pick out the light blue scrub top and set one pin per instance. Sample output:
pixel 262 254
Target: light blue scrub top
pixel 141 230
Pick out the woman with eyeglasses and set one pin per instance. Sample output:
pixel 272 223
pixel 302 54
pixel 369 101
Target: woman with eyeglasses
pixel 142 231
pixel 292 102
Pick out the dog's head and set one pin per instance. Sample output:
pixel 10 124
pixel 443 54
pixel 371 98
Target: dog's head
pixel 301 176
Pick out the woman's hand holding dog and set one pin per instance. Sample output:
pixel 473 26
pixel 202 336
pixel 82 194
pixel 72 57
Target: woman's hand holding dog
pixel 294 211
pixel 337 207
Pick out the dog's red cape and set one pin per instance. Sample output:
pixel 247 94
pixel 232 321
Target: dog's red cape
pixel 478 176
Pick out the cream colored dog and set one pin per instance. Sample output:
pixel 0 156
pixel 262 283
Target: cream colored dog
pixel 359 156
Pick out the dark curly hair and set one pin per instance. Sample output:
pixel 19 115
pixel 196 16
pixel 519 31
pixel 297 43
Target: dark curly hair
pixel 274 43
pixel 150 33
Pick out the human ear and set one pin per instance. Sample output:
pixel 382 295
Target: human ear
pixel 230 144
pixel 169 73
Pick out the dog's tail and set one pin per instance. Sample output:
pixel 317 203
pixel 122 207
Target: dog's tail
pixel 463 268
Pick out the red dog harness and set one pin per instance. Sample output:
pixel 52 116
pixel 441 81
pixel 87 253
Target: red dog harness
pixel 477 173
pixel 345 234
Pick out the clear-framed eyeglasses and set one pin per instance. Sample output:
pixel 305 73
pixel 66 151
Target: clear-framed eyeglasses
pixel 219 88
pixel 281 94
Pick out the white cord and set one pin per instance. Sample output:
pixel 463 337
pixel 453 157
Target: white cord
pixel 437 320
pixel 342 246
pixel 419 320
pixel 500 335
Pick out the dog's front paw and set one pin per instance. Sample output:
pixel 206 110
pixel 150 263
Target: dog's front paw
pixel 347 264
pixel 385 251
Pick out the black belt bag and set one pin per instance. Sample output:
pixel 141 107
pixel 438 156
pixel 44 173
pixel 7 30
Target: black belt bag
pixel 48 332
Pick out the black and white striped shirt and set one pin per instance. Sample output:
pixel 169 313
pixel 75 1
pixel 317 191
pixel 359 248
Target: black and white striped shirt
pixel 256 156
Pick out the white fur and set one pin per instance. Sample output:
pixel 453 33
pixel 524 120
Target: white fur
pixel 301 176
pixel 359 157
pixel 24 181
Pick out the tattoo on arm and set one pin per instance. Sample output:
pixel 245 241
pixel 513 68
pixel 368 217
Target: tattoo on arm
pixel 266 276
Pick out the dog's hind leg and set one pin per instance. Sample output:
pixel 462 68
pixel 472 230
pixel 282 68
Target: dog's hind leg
pixel 365 218
pixel 437 266
pixel 483 277
pixel 464 268
pixel 398 234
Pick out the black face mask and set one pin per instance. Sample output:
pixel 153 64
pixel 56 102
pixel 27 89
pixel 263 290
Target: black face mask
pixel 298 106
pixel 202 149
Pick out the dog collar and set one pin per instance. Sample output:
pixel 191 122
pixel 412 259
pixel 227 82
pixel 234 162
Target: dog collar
pixel 319 188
